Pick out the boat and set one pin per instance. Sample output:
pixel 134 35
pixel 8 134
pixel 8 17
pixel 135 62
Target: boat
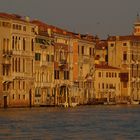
pixel 109 103
pixel 134 102
pixel 74 104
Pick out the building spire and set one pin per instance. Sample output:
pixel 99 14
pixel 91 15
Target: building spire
pixel 136 30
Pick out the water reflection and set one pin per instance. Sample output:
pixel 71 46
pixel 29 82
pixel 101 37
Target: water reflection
pixel 88 122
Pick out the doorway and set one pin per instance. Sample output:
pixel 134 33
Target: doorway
pixel 30 98
pixel 5 102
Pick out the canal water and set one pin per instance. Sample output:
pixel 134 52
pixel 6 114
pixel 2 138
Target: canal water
pixel 80 123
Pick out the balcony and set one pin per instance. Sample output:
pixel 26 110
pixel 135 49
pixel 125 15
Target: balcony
pixel 125 62
pixel 43 63
pixel 43 46
pixel 6 61
pixel 124 77
pixel 7 53
pixel 86 60
pixel 6 93
pixel 46 84
pixel 7 79
pixel 62 64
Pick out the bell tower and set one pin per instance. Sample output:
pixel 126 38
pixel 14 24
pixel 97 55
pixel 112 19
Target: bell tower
pixel 136 31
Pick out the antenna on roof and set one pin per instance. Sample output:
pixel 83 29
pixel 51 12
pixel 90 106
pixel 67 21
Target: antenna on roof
pixel 138 17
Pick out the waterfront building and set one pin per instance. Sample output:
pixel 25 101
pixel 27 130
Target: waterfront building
pixel 73 66
pixel 17 37
pixel 124 53
pixel 107 83
pixel 84 67
pixel 63 81
pixel 44 66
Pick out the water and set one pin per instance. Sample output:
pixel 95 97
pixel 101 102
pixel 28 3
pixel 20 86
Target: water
pixel 80 123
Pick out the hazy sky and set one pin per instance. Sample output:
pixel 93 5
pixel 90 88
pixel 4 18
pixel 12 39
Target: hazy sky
pixel 101 17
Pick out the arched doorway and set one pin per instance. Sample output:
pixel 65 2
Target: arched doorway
pixel 63 95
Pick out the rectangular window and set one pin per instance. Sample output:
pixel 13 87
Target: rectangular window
pixel 32 45
pixel 24 44
pixel 107 74
pixel 37 56
pixel 106 86
pixel 124 56
pixel 78 49
pixel 23 84
pixel 23 65
pixel 106 58
pixel 103 86
pixel 90 51
pixel 99 74
pixel 24 28
pixel 124 44
pixel 52 58
pixel 13 96
pixel 13 42
pixel 14 26
pixel 24 97
pixel 56 74
pixel 112 74
pixel 112 44
pixel 66 75
pixel 19 64
pixel 82 49
pixel 47 58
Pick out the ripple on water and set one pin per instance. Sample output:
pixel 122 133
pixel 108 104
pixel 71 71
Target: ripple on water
pixel 80 123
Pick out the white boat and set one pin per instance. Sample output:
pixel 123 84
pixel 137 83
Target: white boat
pixel 134 102
pixel 74 104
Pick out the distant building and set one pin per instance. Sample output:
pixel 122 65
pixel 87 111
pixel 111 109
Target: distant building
pixel 124 53
pixel 107 83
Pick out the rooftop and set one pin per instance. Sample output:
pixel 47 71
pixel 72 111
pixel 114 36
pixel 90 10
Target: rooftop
pixel 123 38
pixel 105 66
pixel 14 17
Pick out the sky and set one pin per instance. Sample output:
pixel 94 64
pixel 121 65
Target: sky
pixel 97 17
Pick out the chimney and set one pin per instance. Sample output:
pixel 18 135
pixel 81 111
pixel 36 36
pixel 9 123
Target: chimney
pixel 49 31
pixel 27 19
pixel 117 38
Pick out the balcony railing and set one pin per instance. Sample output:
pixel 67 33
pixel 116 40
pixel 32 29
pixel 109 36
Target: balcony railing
pixel 6 61
pixel 62 63
pixel 43 46
pixel 43 63
pixel 7 78
pixel 7 52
